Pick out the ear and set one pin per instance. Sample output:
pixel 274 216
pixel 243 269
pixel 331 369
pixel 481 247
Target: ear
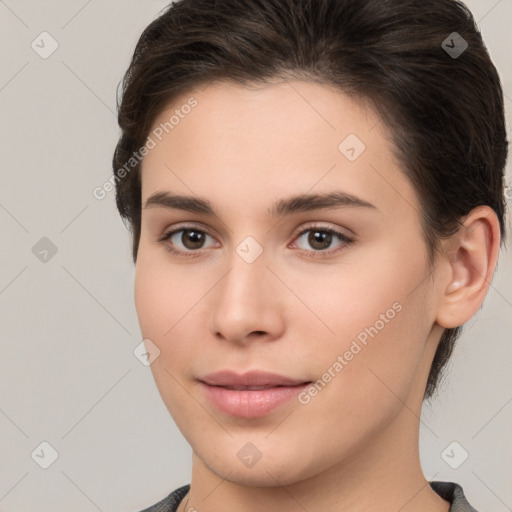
pixel 471 256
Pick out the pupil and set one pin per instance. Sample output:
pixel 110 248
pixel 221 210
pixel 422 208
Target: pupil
pixel 323 238
pixel 192 239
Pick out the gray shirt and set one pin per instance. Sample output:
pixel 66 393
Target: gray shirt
pixel 449 491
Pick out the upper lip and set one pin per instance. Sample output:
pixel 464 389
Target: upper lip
pixel 250 378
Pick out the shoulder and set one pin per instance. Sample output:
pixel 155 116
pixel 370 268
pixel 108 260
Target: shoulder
pixel 453 493
pixel 169 503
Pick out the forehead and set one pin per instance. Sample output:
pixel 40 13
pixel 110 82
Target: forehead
pixel 270 141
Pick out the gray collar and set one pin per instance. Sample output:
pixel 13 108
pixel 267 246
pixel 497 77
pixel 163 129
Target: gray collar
pixel 449 491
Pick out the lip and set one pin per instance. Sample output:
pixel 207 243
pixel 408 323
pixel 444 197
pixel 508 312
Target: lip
pixel 272 391
pixel 250 378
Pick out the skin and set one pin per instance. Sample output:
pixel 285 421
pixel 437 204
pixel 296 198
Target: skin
pixel 354 446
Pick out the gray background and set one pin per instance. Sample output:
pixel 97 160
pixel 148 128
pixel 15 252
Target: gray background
pixel 68 375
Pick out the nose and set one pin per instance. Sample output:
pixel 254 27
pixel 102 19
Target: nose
pixel 248 303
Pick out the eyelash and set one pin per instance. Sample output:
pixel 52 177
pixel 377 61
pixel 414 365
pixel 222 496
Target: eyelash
pixel 315 254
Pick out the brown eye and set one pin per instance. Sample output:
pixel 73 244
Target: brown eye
pixel 192 238
pixel 319 240
pixel 186 241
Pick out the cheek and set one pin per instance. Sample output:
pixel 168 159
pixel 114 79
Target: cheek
pixel 377 332
pixel 363 384
pixel 149 297
pixel 171 304
pixel 162 297
pixel 162 304
pixel 358 300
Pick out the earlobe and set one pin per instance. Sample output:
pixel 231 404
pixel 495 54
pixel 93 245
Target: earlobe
pixel 472 259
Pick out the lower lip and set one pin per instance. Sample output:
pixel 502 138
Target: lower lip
pixel 251 404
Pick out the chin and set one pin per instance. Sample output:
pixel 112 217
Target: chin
pixel 271 465
pixel 260 475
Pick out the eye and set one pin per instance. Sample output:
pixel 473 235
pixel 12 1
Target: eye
pixel 321 238
pixel 185 240
pixel 189 241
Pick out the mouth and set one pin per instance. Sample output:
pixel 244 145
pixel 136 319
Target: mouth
pixel 250 395
pixel 259 388
pixel 252 379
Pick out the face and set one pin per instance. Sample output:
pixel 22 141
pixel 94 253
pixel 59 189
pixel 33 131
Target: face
pixel 332 290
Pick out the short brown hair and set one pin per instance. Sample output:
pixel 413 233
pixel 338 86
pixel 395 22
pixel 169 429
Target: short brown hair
pixel 445 111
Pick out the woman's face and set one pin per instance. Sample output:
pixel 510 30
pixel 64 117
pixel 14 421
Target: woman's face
pixel 332 289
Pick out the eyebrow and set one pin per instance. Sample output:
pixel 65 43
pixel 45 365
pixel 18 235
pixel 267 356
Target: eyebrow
pixel 282 207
